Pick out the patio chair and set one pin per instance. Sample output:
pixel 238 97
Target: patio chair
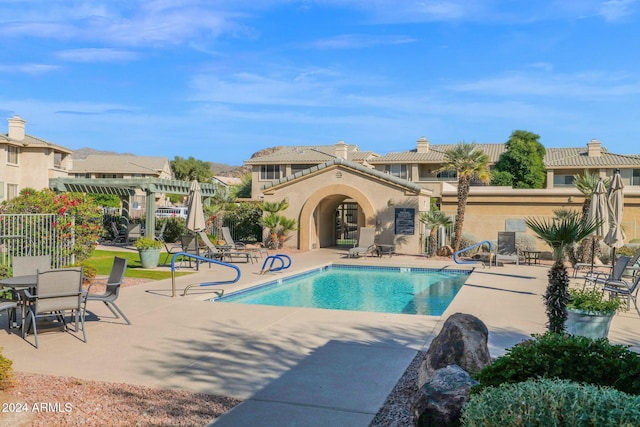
pixel 119 236
pixel 30 265
pixel 226 252
pixel 57 291
pixel 507 250
pixel 366 243
pixel 634 264
pixel 228 241
pixel 615 273
pixel 160 233
pixel 624 288
pixel 113 282
pixel 134 232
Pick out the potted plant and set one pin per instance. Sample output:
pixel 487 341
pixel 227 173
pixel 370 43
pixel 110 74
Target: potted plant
pixel 149 250
pixel 590 313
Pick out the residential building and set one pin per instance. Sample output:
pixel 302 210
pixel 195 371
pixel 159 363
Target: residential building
pixel 29 161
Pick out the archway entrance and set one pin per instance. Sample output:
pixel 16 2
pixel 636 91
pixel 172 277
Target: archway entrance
pixel 318 220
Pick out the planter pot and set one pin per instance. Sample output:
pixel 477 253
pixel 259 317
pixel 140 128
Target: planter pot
pixel 149 258
pixel 590 324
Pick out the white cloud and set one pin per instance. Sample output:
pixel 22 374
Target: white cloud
pixel 32 69
pixel 96 55
pixel 357 41
pixel 614 10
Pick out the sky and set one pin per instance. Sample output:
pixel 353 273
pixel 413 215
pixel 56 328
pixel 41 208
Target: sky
pixel 221 79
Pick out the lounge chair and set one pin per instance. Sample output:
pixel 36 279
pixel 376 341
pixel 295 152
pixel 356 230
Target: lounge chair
pixel 366 244
pixel 58 291
pixel 119 236
pixel 232 244
pixel 113 282
pixel 507 250
pixel 624 288
pixel 134 232
pixel 226 252
pixel 615 273
pixel 634 264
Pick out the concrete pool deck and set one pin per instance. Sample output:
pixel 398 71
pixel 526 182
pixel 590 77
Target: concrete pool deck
pixel 292 366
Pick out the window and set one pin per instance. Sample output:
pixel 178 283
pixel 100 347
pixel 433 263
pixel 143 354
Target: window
pixel 12 154
pixel 12 191
pixel 57 160
pixel 401 171
pixel 630 176
pixel 83 175
pixel 447 175
pixel 563 180
pixel 107 175
pixel 268 172
pixel 298 168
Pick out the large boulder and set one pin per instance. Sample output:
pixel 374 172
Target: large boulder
pixel 440 400
pixel 462 342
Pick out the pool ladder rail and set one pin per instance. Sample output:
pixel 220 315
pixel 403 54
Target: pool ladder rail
pixel 285 262
pixel 484 242
pixel 199 258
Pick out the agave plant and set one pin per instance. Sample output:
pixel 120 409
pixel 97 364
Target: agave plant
pixel 559 233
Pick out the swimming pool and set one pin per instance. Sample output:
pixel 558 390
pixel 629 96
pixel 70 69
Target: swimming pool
pixel 346 287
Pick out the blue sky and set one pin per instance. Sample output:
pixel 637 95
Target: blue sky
pixel 221 79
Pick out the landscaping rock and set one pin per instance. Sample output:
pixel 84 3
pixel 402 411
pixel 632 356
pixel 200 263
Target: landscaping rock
pixel 462 342
pixel 440 400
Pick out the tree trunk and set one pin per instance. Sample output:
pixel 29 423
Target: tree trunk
pixel 557 297
pixel 463 194
pixel 433 241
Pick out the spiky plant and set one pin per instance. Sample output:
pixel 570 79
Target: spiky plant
pixel 433 220
pixel 286 225
pixel 559 233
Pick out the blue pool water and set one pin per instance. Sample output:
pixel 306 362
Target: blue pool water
pixel 376 289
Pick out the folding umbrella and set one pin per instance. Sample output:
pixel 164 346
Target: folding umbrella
pixel 195 216
pixel 598 212
pixel 615 236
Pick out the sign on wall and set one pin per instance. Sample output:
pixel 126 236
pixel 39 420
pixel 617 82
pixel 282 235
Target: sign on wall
pixel 405 220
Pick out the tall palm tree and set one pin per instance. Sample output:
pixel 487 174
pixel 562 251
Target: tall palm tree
pixel 559 233
pixel 433 220
pixel 470 162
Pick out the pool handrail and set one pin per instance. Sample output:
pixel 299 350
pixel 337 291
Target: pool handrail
pixel 199 258
pixel 273 258
pixel 455 254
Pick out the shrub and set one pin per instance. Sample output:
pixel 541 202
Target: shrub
pixel 88 271
pixel 467 240
pixel 176 227
pixel 574 358
pixel 549 402
pixel 4 271
pixel 6 373
pixel 526 242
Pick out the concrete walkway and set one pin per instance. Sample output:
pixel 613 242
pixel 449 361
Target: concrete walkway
pixel 292 366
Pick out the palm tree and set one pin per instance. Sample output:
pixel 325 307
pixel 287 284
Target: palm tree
pixel 559 233
pixel 271 222
pixel 470 162
pixel 275 207
pixel 286 225
pixel 433 220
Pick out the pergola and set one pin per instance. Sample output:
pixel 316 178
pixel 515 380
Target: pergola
pixel 126 188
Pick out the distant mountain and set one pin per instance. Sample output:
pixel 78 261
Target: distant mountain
pixel 220 169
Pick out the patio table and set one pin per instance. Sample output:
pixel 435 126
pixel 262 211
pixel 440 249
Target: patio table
pixel 18 284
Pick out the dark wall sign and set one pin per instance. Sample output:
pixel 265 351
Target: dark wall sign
pixel 405 221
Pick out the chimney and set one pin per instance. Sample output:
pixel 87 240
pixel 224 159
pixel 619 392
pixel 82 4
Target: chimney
pixel 16 128
pixel 423 145
pixel 341 150
pixel 594 148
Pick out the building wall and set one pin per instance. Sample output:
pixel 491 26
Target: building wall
pixel 314 198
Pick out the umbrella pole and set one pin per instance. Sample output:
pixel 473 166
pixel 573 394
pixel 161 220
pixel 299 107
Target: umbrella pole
pixel 593 252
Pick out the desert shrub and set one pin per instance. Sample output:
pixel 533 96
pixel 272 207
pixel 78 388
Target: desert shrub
pixel 176 227
pixel 6 373
pixel 88 271
pixel 568 357
pixel 547 402
pixel 4 271
pixel 244 220
pixel 526 242
pixel 466 240
pixel 626 250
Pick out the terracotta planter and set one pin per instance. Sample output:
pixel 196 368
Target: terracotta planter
pixel 590 324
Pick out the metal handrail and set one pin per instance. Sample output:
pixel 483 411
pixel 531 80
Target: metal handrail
pixel 273 258
pixel 199 258
pixel 455 255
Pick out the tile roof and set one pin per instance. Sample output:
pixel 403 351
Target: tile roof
pixel 578 158
pixel 435 154
pixel 352 165
pixel 32 141
pixel 312 154
pixel 119 163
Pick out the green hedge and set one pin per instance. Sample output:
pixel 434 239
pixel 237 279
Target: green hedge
pixel 568 357
pixel 547 402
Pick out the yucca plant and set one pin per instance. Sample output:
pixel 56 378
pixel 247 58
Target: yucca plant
pixel 559 233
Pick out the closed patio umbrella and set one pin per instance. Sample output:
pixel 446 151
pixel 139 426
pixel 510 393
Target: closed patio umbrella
pixel 598 212
pixel 195 216
pixel 615 236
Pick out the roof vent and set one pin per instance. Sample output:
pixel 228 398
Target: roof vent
pixel 594 148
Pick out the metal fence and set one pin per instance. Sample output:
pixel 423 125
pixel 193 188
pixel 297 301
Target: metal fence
pixel 34 234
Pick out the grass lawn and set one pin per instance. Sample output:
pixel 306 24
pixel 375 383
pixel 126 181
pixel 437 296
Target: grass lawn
pixel 103 261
